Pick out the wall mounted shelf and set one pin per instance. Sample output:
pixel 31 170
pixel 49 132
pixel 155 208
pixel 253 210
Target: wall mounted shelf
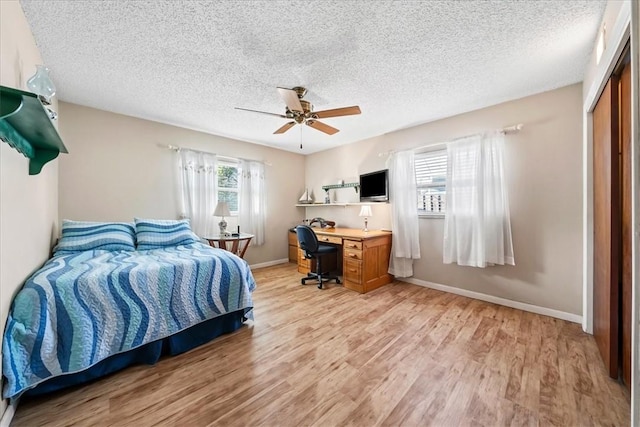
pixel 313 205
pixel 354 185
pixel 328 205
pixel 25 126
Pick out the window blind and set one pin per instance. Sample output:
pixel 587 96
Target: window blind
pixel 431 178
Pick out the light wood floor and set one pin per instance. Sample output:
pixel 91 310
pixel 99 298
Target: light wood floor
pixel 400 355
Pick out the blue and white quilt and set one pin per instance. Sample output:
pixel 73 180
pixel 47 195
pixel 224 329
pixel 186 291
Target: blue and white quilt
pixel 81 308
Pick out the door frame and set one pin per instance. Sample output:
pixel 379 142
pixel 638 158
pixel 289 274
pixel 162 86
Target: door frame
pixel 626 27
pixel 635 209
pixel 619 38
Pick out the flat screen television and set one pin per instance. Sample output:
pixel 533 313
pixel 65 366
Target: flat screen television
pixel 374 186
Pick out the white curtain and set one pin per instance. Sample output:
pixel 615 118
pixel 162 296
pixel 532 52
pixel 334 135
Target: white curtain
pixel 251 200
pixel 198 178
pixel 404 214
pixel 477 228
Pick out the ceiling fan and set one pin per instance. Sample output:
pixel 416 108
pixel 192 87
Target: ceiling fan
pixel 301 111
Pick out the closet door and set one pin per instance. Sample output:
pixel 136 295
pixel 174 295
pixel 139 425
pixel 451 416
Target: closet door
pixel 625 180
pixel 606 223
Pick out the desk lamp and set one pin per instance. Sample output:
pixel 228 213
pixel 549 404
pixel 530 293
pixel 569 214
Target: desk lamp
pixel 222 210
pixel 365 211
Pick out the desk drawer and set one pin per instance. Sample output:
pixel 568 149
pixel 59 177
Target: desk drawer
pixel 329 239
pixel 352 271
pixel 352 254
pixel 352 244
pixel 306 262
pixel 293 253
pixel 293 239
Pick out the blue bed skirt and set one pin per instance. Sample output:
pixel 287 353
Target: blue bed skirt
pixel 149 353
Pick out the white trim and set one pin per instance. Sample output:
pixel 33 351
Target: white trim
pixel 7 417
pixel 269 263
pixel 436 146
pixel 430 215
pixel 619 36
pixel 587 224
pixel 576 318
pixel 635 209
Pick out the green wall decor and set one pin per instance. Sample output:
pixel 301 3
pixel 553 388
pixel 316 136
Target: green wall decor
pixel 25 125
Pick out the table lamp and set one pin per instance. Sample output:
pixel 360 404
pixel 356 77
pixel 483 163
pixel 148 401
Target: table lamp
pixel 365 211
pixel 222 210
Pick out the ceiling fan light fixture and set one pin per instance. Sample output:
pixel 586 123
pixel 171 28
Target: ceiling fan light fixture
pixel 301 112
pixel 300 91
pixel 307 107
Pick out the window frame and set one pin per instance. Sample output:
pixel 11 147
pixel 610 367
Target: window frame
pixel 233 164
pixel 423 153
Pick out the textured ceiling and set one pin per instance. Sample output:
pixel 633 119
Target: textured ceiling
pixel 190 63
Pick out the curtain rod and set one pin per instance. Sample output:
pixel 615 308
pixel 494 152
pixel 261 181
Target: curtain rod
pixel 178 149
pixel 509 129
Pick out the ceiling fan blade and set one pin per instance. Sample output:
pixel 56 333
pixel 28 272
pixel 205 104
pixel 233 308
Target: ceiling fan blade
pixel 262 112
pixel 337 112
pixel 322 127
pixel 290 97
pixel 285 127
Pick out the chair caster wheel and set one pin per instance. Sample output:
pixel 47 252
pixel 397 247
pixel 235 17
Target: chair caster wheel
pixel 337 281
pixel 320 286
pixel 302 281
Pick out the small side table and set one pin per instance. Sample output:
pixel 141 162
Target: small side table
pixel 238 244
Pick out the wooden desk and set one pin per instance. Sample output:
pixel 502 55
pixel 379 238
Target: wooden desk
pixel 239 244
pixel 364 255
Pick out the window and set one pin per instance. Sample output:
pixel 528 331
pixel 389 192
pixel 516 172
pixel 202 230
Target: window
pixel 228 185
pixel 431 178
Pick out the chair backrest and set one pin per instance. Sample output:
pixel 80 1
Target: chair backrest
pixel 307 239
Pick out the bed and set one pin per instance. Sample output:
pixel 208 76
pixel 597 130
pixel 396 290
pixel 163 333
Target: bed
pixel 87 313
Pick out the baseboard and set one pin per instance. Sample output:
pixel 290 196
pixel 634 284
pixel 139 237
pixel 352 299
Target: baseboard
pixel 496 300
pixel 8 414
pixel 269 263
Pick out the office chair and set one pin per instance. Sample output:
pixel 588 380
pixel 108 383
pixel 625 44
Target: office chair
pixel 312 250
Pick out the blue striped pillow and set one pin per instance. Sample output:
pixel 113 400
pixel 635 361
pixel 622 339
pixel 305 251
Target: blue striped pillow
pixel 78 236
pixel 158 233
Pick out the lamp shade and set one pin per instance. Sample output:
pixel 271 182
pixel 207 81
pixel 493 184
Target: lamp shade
pixel 365 210
pixel 222 209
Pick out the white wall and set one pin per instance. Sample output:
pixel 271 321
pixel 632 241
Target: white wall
pixel 346 163
pixel 116 170
pixel 543 167
pixel 28 204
